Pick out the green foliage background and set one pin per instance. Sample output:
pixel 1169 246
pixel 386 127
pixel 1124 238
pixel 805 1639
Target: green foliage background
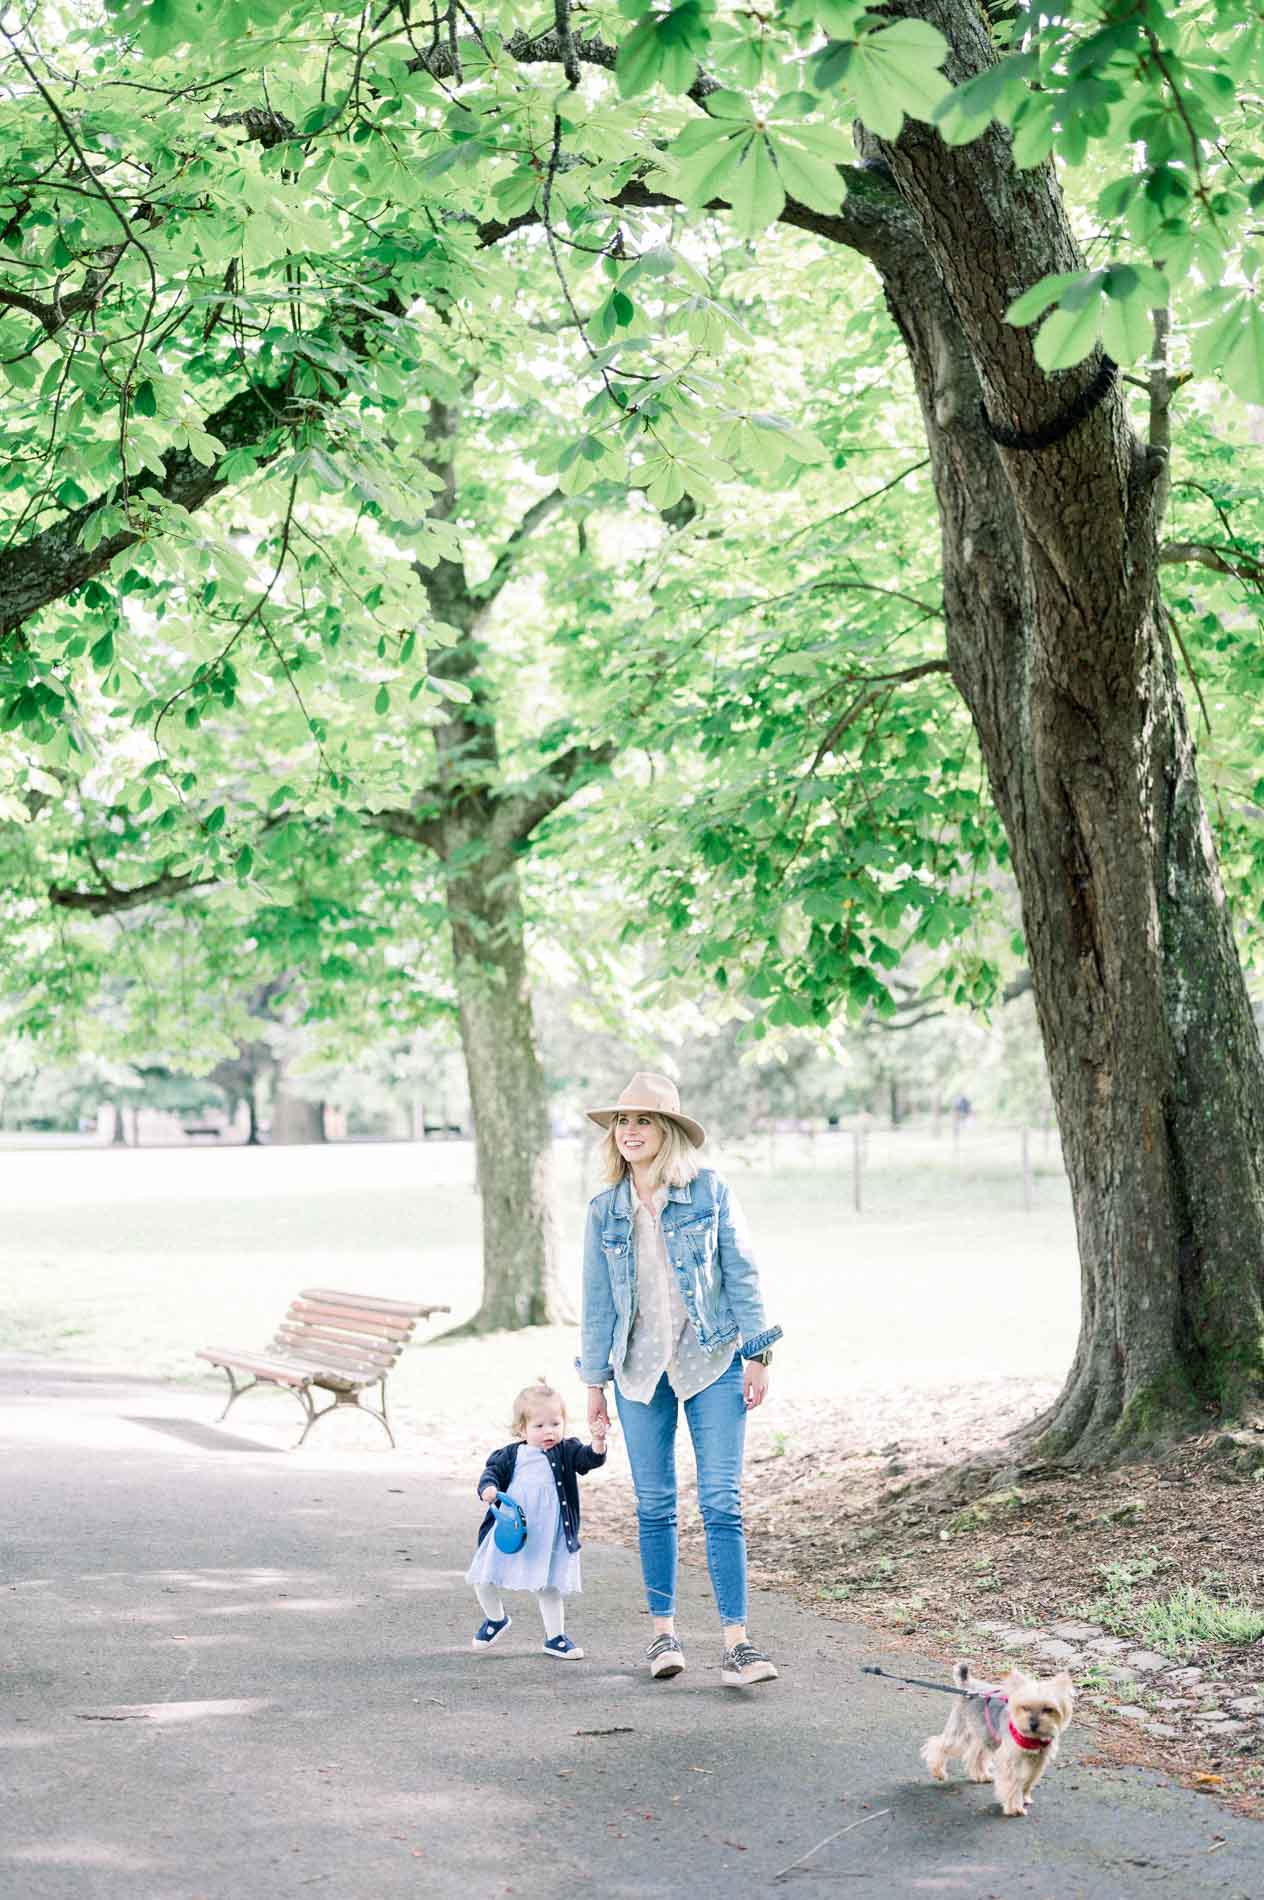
pixel 246 253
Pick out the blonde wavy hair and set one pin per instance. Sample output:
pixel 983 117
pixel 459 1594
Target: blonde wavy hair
pixel 675 1164
pixel 539 1392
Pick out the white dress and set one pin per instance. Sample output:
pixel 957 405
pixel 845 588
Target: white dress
pixel 543 1563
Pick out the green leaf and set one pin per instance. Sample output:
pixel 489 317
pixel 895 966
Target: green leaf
pixel 894 72
pixel 803 446
pixel 1034 302
pixel 321 115
pixel 382 701
pixel 1244 358
pixel 755 190
pixel 214 820
pixel 710 174
pixel 810 180
pixel 1034 130
pixel 730 105
pixel 1211 342
pixel 1066 337
pixel 102 654
pixel 1127 327
pixel 639 60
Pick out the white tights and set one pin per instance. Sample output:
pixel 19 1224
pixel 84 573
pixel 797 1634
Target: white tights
pixel 550 1601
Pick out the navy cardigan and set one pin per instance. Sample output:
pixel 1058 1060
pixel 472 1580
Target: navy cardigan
pixel 569 1460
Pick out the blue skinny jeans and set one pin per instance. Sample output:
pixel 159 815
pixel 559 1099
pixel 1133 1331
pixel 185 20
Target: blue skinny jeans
pixel 716 1418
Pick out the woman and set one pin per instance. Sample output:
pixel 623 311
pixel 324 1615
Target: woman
pixel 673 1314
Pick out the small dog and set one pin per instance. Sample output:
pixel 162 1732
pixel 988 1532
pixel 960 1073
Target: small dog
pixel 1005 1732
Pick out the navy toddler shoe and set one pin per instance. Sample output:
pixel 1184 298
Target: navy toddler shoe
pixel 487 1632
pixel 562 1646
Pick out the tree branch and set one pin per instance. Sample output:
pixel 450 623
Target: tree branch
pixel 1243 567
pixel 516 815
pixel 114 898
pixel 485 592
pixel 406 824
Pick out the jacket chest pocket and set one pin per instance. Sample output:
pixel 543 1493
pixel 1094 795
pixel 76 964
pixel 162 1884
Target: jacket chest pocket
pixel 699 1238
pixel 615 1248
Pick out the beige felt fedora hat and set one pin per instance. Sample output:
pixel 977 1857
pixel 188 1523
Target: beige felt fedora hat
pixel 655 1095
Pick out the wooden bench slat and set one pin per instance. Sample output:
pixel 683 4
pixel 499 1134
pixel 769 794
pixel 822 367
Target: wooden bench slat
pixel 362 1343
pixel 402 1309
pixel 337 1352
pixel 351 1320
pixel 295 1370
pixel 343 1335
pixel 274 1370
pixel 369 1349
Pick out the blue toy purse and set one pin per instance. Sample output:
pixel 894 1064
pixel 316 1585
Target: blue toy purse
pixel 511 1523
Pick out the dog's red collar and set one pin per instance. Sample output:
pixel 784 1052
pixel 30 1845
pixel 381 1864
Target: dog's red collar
pixel 1029 1741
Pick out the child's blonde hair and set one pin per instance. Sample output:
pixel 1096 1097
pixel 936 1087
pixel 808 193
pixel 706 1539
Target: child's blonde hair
pixel 673 1166
pixel 530 1396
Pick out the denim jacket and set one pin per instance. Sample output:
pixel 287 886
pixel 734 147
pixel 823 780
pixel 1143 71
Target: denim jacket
pixel 707 1250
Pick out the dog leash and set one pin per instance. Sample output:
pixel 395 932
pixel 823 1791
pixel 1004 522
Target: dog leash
pixel 916 1682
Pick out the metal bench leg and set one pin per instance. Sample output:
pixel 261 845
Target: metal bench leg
pixel 238 1391
pixel 352 1399
pixel 313 1413
pixel 235 1392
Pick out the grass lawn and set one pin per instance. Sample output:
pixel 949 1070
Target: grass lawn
pixel 137 1257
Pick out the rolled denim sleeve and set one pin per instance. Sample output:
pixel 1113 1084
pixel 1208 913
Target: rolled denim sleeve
pixel 597 1323
pixel 740 1276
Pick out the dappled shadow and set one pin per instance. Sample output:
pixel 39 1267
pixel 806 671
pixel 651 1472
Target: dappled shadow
pixel 258 1670
pixel 208 1437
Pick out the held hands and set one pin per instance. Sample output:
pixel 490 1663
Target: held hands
pixel 754 1383
pixel 598 1417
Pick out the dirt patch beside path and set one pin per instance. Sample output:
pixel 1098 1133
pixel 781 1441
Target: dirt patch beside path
pixel 871 1513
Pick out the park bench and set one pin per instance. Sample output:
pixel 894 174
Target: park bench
pixel 343 1343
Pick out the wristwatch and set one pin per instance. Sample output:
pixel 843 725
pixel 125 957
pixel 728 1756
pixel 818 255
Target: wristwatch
pixel 763 1358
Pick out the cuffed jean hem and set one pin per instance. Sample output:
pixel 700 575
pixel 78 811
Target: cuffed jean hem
pixel 716 1418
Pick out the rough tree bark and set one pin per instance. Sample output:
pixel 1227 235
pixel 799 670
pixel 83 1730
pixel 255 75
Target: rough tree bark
pixel 478 831
pixel 1058 643
pixel 296 1122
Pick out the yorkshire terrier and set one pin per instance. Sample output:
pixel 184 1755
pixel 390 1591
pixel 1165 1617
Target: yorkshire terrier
pixel 1005 1732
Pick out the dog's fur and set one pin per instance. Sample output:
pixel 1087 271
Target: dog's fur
pixel 1041 1709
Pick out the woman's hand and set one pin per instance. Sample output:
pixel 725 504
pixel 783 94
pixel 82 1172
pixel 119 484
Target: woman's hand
pixel 488 1494
pixel 754 1383
pixel 598 1416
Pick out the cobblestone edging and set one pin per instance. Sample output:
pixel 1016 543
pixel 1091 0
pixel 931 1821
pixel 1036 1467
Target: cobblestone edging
pixel 1179 1700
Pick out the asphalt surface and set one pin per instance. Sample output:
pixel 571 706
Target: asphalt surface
pixel 229 1669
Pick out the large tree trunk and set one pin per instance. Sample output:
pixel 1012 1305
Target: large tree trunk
pixel 521 1282
pixel 296 1122
pixel 476 830
pixel 1057 641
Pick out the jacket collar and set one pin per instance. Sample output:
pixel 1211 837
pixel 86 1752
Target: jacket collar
pixel 623 1196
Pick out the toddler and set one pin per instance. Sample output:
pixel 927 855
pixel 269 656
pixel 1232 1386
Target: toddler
pixel 540 1471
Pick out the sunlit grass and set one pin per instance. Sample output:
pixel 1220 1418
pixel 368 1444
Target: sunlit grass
pixel 134 1259
pixel 1175 1623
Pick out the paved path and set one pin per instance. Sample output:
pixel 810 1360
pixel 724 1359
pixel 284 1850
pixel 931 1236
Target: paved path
pixel 231 1670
